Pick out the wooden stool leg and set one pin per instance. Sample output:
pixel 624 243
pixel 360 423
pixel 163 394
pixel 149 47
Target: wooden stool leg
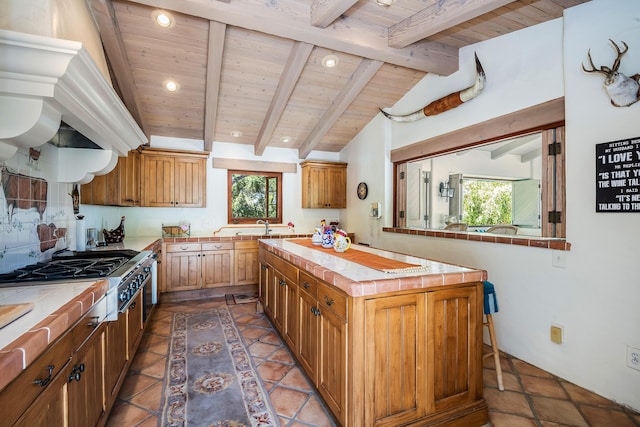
pixel 496 352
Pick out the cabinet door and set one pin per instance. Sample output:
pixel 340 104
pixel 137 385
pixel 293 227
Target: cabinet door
pixel 158 184
pixel 116 356
pixel 279 308
pixel 246 263
pixel 290 321
pixel 216 268
pixel 190 182
pixel 315 188
pixel 50 408
pixel 308 339
pixel 272 284
pixel 86 382
pixel 332 362
pixel 134 325
pixel 395 360
pixel 130 179
pixel 454 320
pixel 182 271
pixel 336 196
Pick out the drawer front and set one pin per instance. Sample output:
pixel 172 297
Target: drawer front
pixel 183 247
pixel 332 299
pixel 19 394
pixel 288 270
pixel 245 244
pixel 308 283
pixel 217 246
pixel 89 323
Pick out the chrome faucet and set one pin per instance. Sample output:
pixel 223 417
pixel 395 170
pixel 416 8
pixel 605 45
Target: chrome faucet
pixel 267 230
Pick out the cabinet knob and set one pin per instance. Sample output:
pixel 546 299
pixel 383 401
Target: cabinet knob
pixel 328 300
pixel 94 323
pixel 306 285
pixel 282 282
pixel 43 382
pixel 315 311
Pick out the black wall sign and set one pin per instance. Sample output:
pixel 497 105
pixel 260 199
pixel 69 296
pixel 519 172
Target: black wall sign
pixel 618 176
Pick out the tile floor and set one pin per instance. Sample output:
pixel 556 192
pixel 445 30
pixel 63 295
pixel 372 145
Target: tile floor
pixel 532 397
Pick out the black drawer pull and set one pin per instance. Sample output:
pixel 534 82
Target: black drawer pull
pixel 282 282
pixel 315 311
pixel 47 380
pixel 328 301
pixel 306 285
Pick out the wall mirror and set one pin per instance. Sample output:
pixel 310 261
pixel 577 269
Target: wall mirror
pixel 475 189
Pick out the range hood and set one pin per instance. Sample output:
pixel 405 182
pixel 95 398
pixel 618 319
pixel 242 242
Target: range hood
pixel 45 81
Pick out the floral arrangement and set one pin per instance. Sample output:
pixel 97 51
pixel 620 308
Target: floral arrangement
pixel 291 226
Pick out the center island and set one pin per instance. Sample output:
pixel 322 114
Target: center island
pixel 387 339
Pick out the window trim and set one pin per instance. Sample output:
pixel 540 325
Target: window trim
pixel 279 216
pixel 547 118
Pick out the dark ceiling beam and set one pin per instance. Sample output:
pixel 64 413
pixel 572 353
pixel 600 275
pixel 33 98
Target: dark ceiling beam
pixel 288 79
pixel 324 12
pixel 357 82
pixel 438 17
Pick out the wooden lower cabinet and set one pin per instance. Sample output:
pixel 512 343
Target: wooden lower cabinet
pixel 193 266
pixel 50 408
pixel 411 358
pixel 114 369
pixel 85 385
pixel 246 262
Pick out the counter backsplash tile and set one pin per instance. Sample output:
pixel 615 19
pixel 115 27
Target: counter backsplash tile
pixel 36 212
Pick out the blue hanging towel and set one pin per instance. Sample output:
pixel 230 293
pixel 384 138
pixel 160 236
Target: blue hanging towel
pixel 490 300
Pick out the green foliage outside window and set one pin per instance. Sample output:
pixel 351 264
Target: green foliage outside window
pixel 254 196
pixel 486 202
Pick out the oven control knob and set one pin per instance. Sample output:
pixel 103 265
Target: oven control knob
pixel 124 295
pixel 147 269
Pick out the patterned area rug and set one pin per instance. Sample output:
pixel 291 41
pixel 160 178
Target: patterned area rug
pixel 211 380
pixel 232 299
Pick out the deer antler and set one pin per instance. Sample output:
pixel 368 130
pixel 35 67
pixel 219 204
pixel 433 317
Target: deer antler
pixel 603 70
pixel 616 64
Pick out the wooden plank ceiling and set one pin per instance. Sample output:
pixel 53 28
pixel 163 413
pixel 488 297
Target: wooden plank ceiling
pixel 256 67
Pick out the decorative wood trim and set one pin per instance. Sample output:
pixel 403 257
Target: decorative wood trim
pixel 288 79
pixel 214 71
pixel 254 165
pixel 538 117
pixel 357 82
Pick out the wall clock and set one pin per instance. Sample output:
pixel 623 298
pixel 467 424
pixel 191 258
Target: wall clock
pixel 362 191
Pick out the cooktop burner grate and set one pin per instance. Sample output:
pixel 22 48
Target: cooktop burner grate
pixel 69 268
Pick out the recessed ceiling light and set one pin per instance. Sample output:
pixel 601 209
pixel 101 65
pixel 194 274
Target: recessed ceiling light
pixel 171 85
pixel 329 61
pixel 286 139
pixel 235 133
pixel 163 18
pixel 385 3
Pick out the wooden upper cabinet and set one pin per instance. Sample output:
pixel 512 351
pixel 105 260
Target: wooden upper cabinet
pixel 324 184
pixel 172 178
pixel 129 176
pixel 120 187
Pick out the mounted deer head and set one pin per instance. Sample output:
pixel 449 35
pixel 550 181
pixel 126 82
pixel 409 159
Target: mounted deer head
pixel 622 90
pixel 447 102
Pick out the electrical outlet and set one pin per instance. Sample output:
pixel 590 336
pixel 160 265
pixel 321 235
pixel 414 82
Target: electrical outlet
pixel 556 334
pixel 633 358
pixel 558 259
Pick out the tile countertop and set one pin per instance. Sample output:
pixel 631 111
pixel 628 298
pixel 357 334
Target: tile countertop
pixel 57 306
pixel 357 280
